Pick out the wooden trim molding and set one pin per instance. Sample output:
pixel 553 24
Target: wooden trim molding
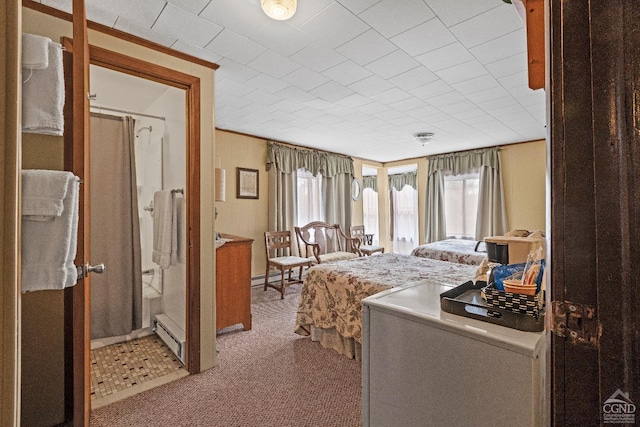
pixel 10 214
pixel 120 34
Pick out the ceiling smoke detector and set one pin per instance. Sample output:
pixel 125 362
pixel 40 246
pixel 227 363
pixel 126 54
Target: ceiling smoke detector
pixel 423 138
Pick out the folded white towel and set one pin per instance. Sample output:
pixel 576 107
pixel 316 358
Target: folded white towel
pixel 178 235
pixel 43 97
pixel 49 247
pixel 35 51
pixel 162 227
pixel 43 192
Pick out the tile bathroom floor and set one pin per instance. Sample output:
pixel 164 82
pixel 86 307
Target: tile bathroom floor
pixel 130 367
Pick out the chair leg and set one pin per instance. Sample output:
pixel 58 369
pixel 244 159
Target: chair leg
pixel 266 278
pixel 282 285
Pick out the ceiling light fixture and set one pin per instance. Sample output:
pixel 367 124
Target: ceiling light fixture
pixel 279 9
pixel 424 138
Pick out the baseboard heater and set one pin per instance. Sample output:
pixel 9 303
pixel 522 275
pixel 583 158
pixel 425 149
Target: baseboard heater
pixel 171 334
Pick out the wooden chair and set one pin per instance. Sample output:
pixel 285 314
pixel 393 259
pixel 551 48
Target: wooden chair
pixel 366 246
pixel 278 248
pixel 322 242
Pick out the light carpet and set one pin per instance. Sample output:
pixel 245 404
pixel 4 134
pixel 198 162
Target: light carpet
pixel 268 376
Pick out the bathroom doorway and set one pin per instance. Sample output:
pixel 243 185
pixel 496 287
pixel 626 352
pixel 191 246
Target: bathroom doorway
pixel 138 305
pixel 78 353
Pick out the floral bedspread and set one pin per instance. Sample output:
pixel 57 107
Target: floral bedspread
pixel 331 293
pixel 452 250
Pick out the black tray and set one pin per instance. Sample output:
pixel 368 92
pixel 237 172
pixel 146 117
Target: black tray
pixel 465 300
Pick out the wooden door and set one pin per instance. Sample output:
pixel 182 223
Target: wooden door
pixel 77 306
pixel 595 208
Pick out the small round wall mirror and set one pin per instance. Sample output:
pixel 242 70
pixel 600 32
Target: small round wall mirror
pixel 356 189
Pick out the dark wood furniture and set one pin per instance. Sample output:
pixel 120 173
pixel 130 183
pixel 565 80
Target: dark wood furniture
pixel 278 247
pixel 233 282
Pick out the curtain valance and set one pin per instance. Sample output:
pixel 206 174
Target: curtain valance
pixel 398 181
pixel 371 182
pixel 288 159
pixel 459 163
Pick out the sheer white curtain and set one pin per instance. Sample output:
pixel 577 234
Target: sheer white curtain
pixel 310 197
pixel 370 213
pixel 405 219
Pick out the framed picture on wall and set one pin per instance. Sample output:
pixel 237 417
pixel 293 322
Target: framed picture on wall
pixel 246 183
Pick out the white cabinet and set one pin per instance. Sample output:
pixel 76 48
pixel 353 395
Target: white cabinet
pixel 425 367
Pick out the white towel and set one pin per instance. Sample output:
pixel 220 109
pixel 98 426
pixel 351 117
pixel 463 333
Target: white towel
pixel 49 247
pixel 43 192
pixel 43 97
pixel 178 237
pixel 35 51
pixel 162 227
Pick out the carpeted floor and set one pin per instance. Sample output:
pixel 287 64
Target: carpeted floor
pixel 268 376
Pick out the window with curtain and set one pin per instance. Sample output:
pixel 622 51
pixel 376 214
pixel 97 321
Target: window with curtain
pixel 370 213
pixel 491 214
pixel 325 190
pixel 461 204
pixel 405 219
pixel 310 204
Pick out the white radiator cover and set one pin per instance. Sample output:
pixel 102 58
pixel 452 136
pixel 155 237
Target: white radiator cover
pixel 172 335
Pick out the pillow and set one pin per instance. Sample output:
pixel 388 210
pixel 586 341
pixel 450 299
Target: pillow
pixel 517 233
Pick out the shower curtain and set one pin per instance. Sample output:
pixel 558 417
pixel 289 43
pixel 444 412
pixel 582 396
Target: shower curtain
pixel 116 295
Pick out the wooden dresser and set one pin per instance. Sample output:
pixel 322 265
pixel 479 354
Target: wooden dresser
pixel 233 282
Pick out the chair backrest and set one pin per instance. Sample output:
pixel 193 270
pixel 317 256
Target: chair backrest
pixel 329 237
pixel 357 232
pixel 277 243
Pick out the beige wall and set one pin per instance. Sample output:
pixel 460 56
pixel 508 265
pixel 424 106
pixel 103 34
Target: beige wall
pixel 524 179
pixel 37 322
pixel 244 217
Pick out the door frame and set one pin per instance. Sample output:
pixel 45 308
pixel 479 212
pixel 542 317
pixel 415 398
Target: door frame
pixel 77 309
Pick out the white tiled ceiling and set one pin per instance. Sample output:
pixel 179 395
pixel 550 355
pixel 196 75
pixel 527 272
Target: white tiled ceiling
pixel 358 77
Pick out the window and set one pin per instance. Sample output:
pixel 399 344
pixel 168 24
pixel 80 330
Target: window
pixel 405 219
pixel 370 213
pixel 461 204
pixel 310 201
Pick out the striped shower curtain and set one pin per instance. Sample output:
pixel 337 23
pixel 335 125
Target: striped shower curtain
pixel 116 295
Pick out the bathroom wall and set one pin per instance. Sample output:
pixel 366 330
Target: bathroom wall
pixel 148 146
pixel 171 106
pixel 148 149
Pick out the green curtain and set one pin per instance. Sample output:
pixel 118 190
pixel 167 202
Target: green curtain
pixel 491 215
pixel 370 182
pixel 435 218
pixel 288 159
pixel 283 163
pixel 282 201
pixel 398 181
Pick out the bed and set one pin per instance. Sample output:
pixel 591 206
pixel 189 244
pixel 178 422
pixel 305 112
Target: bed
pixel 329 309
pixel 453 250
